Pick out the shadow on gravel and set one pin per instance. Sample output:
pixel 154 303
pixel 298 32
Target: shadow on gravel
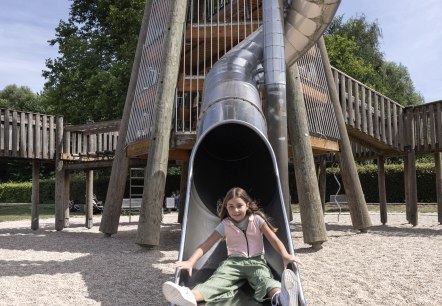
pixel 116 271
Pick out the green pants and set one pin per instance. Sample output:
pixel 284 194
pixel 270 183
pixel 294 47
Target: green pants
pixel 233 273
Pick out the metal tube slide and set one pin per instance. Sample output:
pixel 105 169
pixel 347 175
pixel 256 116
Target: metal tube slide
pixel 232 147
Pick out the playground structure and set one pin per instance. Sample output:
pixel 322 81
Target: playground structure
pixel 378 127
pixel 244 114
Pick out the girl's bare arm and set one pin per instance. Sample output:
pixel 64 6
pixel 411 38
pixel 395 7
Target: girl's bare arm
pixel 199 251
pixel 278 245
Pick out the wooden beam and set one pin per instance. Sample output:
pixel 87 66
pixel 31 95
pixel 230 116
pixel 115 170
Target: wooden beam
pixel 191 85
pixel 325 145
pixel 95 128
pixel 140 148
pixel 228 31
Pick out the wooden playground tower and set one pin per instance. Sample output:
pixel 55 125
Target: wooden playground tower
pixel 178 44
pixel 166 85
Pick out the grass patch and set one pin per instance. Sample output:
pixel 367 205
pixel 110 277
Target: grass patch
pixel 14 212
pixel 391 208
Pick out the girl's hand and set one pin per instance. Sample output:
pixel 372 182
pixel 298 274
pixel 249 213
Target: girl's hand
pixel 291 258
pixel 184 265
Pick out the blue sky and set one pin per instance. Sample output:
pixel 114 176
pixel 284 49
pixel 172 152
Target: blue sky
pixel 412 35
pixel 25 28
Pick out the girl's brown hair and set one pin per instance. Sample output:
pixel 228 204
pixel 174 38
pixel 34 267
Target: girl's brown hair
pixel 237 192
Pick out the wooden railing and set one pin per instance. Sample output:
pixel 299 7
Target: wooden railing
pixel 370 112
pixel 369 116
pixel 27 135
pixel 424 127
pixel 90 141
pixel 380 119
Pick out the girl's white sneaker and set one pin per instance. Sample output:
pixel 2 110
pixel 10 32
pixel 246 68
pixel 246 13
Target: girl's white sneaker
pixel 178 295
pixel 289 288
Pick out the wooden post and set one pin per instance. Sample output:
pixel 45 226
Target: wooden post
pixel 410 172
pixel 35 194
pixel 322 181
pixel 406 190
pixel 89 198
pixel 382 190
pixel 183 189
pixel 120 164
pixel 37 135
pixel 352 185
pixel 66 194
pixel 312 216
pixel 59 176
pixel 149 224
pixel 6 133
pixel 23 148
pixel 438 172
pixel 14 133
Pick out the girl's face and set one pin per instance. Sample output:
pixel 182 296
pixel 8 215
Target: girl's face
pixel 237 208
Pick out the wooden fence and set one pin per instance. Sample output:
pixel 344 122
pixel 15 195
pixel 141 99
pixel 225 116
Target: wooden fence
pixel 424 127
pixel 90 141
pixel 27 135
pixel 380 119
pixel 372 117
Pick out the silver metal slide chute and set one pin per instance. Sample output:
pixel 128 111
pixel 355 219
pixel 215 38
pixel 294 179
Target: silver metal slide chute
pixel 232 149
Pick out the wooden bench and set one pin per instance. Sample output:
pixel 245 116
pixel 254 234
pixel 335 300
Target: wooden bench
pixel 338 198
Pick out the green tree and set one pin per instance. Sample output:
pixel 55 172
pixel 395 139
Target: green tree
pixel 20 98
pixel 97 45
pixel 395 82
pixel 354 48
pixel 342 53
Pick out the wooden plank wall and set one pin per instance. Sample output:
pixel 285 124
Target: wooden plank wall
pixel 425 127
pixel 26 135
pixel 84 145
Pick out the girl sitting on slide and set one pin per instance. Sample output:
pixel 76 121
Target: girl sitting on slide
pixel 242 225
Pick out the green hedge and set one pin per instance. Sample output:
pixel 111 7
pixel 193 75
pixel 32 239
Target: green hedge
pixel 426 185
pixel 394 183
pixel 22 192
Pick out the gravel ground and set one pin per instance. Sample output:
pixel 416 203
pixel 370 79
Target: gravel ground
pixel 396 264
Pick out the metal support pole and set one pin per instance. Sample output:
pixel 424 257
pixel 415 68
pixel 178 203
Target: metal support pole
pixel 275 89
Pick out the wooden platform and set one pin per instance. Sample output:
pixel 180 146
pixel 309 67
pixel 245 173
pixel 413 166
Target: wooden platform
pixel 182 145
